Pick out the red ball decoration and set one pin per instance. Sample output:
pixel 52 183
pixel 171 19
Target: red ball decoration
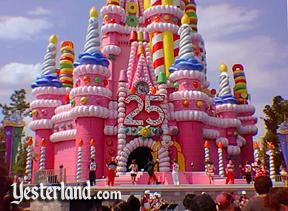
pixel 185 103
pixel 195 84
pixel 213 92
pixel 66 98
pixel 105 82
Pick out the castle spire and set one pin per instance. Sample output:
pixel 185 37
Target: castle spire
pixel 92 43
pixel 224 81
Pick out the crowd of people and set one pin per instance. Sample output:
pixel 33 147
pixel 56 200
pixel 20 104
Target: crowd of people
pixel 267 198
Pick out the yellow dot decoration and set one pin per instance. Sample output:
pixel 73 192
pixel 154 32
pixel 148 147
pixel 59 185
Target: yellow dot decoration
pixel 84 100
pixel 199 103
pixel 185 19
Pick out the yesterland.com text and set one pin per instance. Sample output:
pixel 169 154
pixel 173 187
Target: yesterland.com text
pixel 61 192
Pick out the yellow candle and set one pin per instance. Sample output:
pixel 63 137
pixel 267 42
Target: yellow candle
pixel 146 4
pixel 168 50
pixel 167 2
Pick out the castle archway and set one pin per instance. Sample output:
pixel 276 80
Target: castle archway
pixel 142 155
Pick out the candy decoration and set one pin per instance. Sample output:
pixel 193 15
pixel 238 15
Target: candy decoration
pixel 161 78
pixel 240 88
pixel 156 2
pixel 84 100
pixel 190 10
pixel 256 151
pixel 113 2
pixel 34 113
pixel 92 149
pixel 132 7
pixel 42 155
pixel 97 80
pixel 28 169
pixel 206 148
pixel 199 103
pixel 272 161
pixel 132 21
pixel 92 43
pixel 220 157
pixel 79 161
pixel 86 80
pixel 224 82
pixel 185 103
pixel 153 90
pixel 157 53
pixel 66 64
pixel 176 38
pixel 49 64
pixel 133 90
pixel 133 36
pixel 146 4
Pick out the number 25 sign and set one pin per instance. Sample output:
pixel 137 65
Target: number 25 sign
pixel 141 105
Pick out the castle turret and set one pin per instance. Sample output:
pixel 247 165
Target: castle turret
pixel 189 101
pixel 49 94
pixel 90 98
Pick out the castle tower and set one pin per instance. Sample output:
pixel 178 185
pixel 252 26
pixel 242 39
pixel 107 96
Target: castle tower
pixel 91 97
pixel 245 112
pixel 189 101
pixel 49 94
pixel 115 40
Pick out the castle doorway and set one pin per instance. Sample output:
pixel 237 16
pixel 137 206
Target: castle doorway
pixel 142 155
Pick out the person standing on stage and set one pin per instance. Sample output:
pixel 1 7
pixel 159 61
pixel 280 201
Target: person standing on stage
pixel 112 165
pixel 150 169
pixel 230 172
pixel 210 169
pixel 175 173
pixel 134 169
pixel 92 169
pixel 248 172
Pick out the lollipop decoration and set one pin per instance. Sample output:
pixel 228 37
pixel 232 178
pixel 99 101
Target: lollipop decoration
pixel 158 53
pixel 42 155
pixel 272 161
pixel 66 64
pixel 92 149
pixel 240 88
pixel 220 157
pixel 79 160
pixel 28 169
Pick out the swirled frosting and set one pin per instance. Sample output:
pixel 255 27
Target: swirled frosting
pixel 48 75
pixel 224 85
pixel 225 99
pixel 186 59
pixel 92 38
pixel 92 58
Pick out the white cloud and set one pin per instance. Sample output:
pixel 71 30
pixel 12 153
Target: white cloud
pixel 217 20
pixel 21 28
pixel 17 76
pixel 38 11
pixel 264 59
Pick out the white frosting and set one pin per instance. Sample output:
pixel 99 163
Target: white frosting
pixel 111 49
pixel 248 129
pixel 162 27
pixel 227 107
pixel 246 109
pixel 91 69
pixel 63 135
pixel 186 74
pixel 191 115
pixel 91 90
pixel 113 9
pixel 62 117
pixel 210 133
pixel 50 90
pixel 223 123
pixel 41 124
pixel 114 27
pixel 190 95
pixel 62 108
pixel 163 9
pixel 90 111
pixel 45 103
pixel 248 118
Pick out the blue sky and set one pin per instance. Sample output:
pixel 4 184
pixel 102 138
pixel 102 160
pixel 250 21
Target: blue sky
pixel 253 33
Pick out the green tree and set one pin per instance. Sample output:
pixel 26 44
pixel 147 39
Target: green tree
pixel 20 164
pixel 18 104
pixel 275 114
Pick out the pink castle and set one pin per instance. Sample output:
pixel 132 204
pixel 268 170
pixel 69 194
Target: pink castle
pixel 139 92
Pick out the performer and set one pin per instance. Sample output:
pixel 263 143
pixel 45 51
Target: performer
pixel 210 171
pixel 243 199
pixel 145 202
pixel 156 202
pixel 248 172
pixel 257 165
pixel 134 169
pixel 230 172
pixel 112 165
pixel 150 169
pixel 175 172
pixel 92 169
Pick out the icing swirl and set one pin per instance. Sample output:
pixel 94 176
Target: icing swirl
pixel 224 85
pixel 92 38
pixel 92 58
